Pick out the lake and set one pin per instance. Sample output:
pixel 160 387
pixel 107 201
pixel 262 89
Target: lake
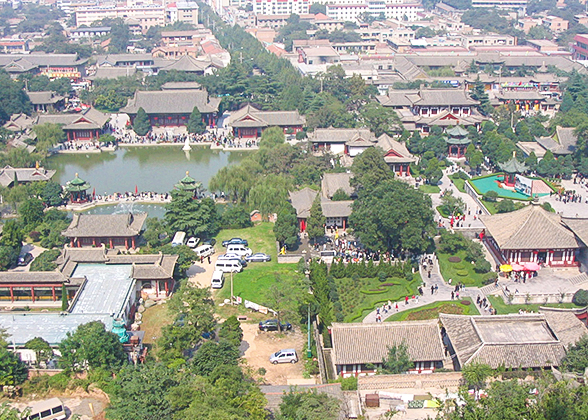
pixel 155 168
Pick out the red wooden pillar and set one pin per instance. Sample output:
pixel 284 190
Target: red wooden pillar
pixel 157 288
pixel 53 292
pixel 133 241
pixel 344 220
pixel 94 241
pixel 71 242
pixel 79 243
pixel 33 293
pixel 127 243
pixel 166 288
pixel 11 294
pixel 111 244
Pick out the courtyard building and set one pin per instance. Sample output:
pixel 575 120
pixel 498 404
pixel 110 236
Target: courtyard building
pixel 110 230
pixel 515 341
pixel 10 176
pixel 359 349
pixel 250 122
pixel 87 125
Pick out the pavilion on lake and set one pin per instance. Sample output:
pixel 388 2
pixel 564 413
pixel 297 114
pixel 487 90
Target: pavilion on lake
pixel 77 189
pixel 188 183
pixel 511 169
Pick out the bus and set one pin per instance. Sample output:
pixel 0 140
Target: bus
pixel 51 409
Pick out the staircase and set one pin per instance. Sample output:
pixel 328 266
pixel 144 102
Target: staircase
pixel 491 289
pixel 581 278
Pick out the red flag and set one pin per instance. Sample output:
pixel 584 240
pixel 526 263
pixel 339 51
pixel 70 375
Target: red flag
pixel 136 190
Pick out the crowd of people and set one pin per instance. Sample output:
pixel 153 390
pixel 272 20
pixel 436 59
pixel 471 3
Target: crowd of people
pixel 568 196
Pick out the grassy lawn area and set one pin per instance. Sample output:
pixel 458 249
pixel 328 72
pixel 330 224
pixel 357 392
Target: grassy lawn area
pixel 492 206
pixel 457 181
pixel 260 237
pixel 154 318
pixel 462 271
pixel 358 298
pixel 433 310
pixel 502 308
pixel 429 189
pixel 256 278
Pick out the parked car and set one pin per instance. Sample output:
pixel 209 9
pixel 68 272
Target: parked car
pixel 259 257
pixel 230 256
pixel 284 356
pixel 236 241
pixel 192 242
pixel 25 259
pixel 272 325
pixel 209 241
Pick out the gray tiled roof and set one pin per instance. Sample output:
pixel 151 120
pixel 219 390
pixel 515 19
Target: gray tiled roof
pixel 43 60
pixel 181 101
pixel 392 148
pixel 105 225
pixel 249 116
pixel 562 143
pixel 302 201
pixel 43 98
pixel 514 341
pixel 188 64
pixel 333 182
pixel 16 277
pixel 524 95
pixel 340 135
pixel 8 173
pixel 529 228
pixel 180 85
pixel 336 208
pixel 89 119
pixel 112 73
pixel 161 269
pixel 368 343
pixel 578 226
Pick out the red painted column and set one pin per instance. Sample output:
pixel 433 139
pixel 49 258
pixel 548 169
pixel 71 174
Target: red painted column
pixel 33 293
pixel 166 288
pixel 133 242
pixel 127 243
pixel 94 241
pixel 111 245
pixel 53 292
pixel 71 242
pixel 157 288
pixel 11 294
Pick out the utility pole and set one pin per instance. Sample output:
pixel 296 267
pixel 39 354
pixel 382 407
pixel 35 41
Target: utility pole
pixel 232 302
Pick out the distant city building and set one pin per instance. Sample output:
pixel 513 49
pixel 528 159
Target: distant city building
pixel 281 7
pixel 182 11
pixel 555 24
pixel 391 10
pixel 580 47
pixel 501 4
pixel 147 15
pixel 81 33
pixel 14 45
pixel 488 40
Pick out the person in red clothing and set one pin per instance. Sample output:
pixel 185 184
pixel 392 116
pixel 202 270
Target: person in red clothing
pixel 406 300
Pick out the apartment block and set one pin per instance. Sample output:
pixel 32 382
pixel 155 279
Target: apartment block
pixel 351 12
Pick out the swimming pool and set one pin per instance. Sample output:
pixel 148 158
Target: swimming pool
pixel 490 183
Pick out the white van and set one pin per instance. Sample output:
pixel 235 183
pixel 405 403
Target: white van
pixel 239 249
pixel 204 250
pixel 228 266
pixel 51 409
pixel 179 239
pixel 218 279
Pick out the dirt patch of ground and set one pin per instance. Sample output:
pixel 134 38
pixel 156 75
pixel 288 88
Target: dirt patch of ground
pixel 201 273
pixel 258 346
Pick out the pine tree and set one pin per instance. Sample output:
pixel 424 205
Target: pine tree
pixel 141 125
pixel 195 124
pixel 315 226
pixel 64 302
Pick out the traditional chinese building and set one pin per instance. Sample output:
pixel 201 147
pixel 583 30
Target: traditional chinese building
pixel 511 169
pixel 532 234
pixel 77 190
pixel 173 107
pixel 396 155
pixel 112 230
pixel 86 125
pixel 457 142
pixel 250 121
pixel 189 184
pixel 10 176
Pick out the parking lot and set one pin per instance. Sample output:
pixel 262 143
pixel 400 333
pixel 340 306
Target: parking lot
pixel 258 346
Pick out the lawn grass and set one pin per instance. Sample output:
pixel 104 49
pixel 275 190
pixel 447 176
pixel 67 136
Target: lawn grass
pixel 260 237
pixel 458 182
pixel 442 212
pixel 429 189
pixel 503 308
pixel 492 206
pixel 450 270
pixel 252 283
pixel 432 311
pixel 154 318
pixel 355 305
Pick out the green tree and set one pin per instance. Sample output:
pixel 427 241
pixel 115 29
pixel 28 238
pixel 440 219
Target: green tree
pixel 12 235
pixel 282 298
pixel 140 393
pixel 397 360
pixel 64 298
pixel 195 217
pixel 89 347
pixel 155 232
pixel 236 217
pixel 433 172
pixel 392 217
pixel 195 124
pixel 46 260
pixel 12 370
pixel 452 205
pixel 9 413
pixel 286 227
pixel 141 124
pixel 272 137
pixel 48 135
pixel 52 194
pixel 107 139
pixel 315 225
pixel 212 355
pixel 31 213
pixel 506 206
pixel 231 331
pixel 340 195
pixel 576 359
pixel 42 349
pixel 381 119
pixel 369 168
pixel 476 374
pixel 269 194
pixel 310 405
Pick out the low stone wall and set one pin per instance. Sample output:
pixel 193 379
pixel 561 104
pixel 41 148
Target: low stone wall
pixel 539 298
pixel 289 258
pixel 472 193
pixel 434 380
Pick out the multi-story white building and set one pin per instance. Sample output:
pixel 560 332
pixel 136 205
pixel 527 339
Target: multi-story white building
pixel 182 11
pixel 147 16
pixel 281 7
pixel 501 4
pixel 389 9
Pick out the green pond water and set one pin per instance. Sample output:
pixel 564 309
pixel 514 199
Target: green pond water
pixel 491 184
pixel 154 169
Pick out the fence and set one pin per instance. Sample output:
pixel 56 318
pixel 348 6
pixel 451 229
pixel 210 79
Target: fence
pixel 472 193
pixel 405 381
pixel 319 353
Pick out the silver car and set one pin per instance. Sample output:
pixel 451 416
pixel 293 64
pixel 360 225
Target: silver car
pixel 284 356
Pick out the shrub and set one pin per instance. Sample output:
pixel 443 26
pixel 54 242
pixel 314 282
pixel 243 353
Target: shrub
pixel 349 384
pixel 465 302
pixel 454 259
pixel 482 266
pixel 35 236
pixel 382 276
pixel 580 297
pixel 462 273
pixel 491 196
pixel 459 266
